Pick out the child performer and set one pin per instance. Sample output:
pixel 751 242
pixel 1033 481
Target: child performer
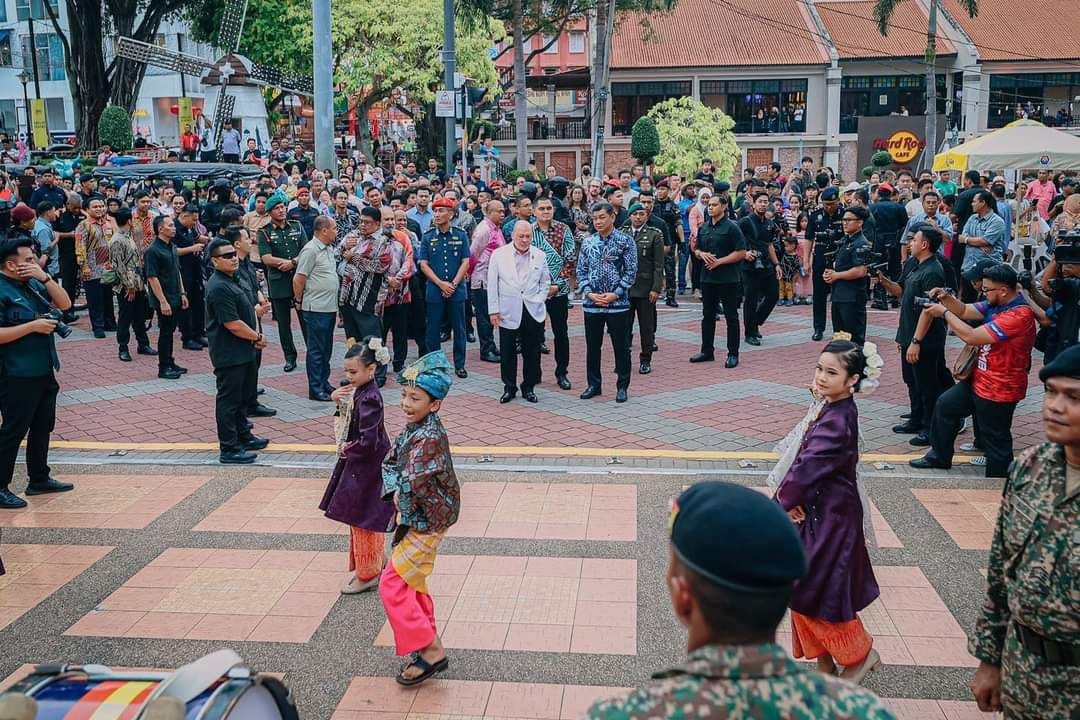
pixel 419 474
pixel 354 495
pixel 819 489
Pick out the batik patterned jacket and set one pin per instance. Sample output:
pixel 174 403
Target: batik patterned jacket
pixel 420 471
pixel 607 265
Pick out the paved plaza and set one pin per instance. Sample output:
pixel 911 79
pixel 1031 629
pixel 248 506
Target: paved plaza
pixel 550 589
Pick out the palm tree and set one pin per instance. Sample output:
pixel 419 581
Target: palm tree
pixel 883 10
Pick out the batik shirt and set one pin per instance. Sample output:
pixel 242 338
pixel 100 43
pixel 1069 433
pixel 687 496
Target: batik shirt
pixel 559 246
pixel 607 265
pixel 363 276
pixel 420 471
pixel 92 244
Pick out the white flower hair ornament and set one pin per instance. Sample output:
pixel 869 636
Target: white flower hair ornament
pixel 382 353
pixel 874 363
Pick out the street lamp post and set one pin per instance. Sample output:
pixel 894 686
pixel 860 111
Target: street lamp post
pixel 24 78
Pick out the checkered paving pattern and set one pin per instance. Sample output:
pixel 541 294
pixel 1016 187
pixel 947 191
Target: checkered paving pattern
pixel 677 406
pixel 967 515
pixel 34 572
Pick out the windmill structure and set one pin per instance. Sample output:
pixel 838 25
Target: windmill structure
pixel 237 78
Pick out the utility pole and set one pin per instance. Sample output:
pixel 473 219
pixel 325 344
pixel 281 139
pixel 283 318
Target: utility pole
pixel 325 157
pixel 605 20
pixel 931 87
pixel 449 57
pixel 521 93
pixel 33 54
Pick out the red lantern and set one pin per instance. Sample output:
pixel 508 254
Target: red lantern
pixel 175 109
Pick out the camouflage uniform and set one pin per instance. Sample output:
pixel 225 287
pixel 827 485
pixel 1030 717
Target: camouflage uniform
pixel 748 681
pixel 1034 579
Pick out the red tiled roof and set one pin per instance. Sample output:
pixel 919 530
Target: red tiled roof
pixel 719 32
pixel 855 33
pixel 1031 30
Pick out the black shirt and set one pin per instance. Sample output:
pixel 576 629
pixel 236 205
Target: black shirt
pixel 162 262
pixel 32 355
pixel 306 218
pixel 759 233
pixel 720 239
pixel 853 252
pixel 890 218
pixel 820 221
pixel 665 231
pixel 916 279
pixel 963 208
pixel 227 299
pixel 189 263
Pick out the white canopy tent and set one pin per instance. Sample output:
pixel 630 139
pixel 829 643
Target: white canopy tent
pixel 1020 145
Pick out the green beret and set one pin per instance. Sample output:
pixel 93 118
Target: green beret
pixel 736 538
pixel 634 207
pixel 1067 364
pixel 274 200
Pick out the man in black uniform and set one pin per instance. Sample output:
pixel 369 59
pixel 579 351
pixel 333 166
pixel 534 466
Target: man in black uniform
pixel 221 196
pixel 304 212
pixel 189 244
pixel 667 211
pixel 761 271
pixel 824 232
pixel 721 248
pixel 167 296
pixel 28 360
pixel 847 277
pixel 891 218
pixel 234 342
pixel 64 227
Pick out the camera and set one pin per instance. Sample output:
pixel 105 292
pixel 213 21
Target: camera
pixel 62 328
pixel 1024 279
pixel 878 261
pixel 922 302
pixel 1067 247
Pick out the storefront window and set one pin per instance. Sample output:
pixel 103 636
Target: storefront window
pixel 877 95
pixel 1047 98
pixel 759 106
pixel 629 101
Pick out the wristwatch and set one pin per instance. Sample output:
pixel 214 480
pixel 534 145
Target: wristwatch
pixel 915 341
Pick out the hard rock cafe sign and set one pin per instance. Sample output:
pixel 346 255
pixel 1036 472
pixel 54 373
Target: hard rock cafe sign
pixel 903 145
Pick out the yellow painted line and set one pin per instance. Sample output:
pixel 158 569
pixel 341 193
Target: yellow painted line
pixel 493 451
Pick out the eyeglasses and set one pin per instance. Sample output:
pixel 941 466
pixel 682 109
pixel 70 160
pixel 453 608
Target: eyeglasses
pixel 226 255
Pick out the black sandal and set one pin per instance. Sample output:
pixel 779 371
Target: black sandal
pixel 428 669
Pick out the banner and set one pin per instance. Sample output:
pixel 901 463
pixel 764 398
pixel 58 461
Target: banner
pixel 184 117
pixel 39 124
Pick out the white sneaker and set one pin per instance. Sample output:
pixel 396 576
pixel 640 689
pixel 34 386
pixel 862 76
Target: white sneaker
pixel 969 447
pixel 354 586
pixel 978 461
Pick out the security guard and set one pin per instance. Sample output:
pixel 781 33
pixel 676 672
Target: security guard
pixel 1028 635
pixel 280 242
pixel 231 327
pixel 28 360
pixel 847 276
pixel 443 257
pixel 731 607
pixel 824 220
pixel 304 212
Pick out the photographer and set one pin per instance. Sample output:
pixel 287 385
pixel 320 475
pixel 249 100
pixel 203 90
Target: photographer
pixel 998 378
pixel 891 218
pixel 761 271
pixel 920 337
pixel 824 232
pixel 28 358
pixel 847 276
pixel 1059 293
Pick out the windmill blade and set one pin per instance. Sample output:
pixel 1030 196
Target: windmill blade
pixel 223 110
pixel 161 57
pixel 232 25
pixel 298 84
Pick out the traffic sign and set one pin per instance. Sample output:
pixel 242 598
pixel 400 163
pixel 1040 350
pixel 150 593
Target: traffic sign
pixel 444 103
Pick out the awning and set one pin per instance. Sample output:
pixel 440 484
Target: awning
pixel 1020 145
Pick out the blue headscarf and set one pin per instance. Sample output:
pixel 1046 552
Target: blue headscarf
pixel 430 373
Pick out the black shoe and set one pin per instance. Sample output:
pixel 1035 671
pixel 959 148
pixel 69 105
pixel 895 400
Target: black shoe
pixel 907 416
pixel 590 392
pixel 908 428
pixel 732 361
pixel 702 357
pixel 645 368
pixel 192 345
pixel 928 462
pixel 564 382
pixel 470 337
pixel 260 391
pixel 879 306
pixel 48 485
pixel 489 357
pixel 920 440
pixel 290 365
pixel 443 337
pixel 320 396
pixel 125 356
pixel 530 396
pixel 507 396
pixel 544 349
pixel 169 374
pixel 10 501
pixel 110 327
pixel 237 457
pixel 99 334
pixel 146 350
pixel 181 370
pixel 462 373
pixel 752 340
pixel 817 335
pixel 620 395
pixel 261 410
pixel 254 443
pixel 203 341
pixel 671 302
pixel 655 348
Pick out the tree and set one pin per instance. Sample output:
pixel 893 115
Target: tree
pixel 883 11
pixel 114 128
pixel 690 130
pixel 644 140
pixel 95 76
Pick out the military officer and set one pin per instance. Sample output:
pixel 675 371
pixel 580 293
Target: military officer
pixel 731 606
pixel 824 232
pixel 1028 636
pixel 280 242
pixel 846 276
pixel 648 283
pixel 443 257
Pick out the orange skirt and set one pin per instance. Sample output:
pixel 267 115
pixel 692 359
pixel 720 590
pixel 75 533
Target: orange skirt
pixel 367 553
pixel 848 642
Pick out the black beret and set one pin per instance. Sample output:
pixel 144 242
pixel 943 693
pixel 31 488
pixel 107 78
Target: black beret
pixel 830 193
pixel 736 537
pixel 721 186
pixel 1067 364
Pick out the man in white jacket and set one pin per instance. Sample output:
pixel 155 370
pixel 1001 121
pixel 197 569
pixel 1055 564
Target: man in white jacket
pixel 518 284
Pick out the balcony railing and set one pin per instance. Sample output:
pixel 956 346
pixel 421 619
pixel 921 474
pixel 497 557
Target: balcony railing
pixel 543 130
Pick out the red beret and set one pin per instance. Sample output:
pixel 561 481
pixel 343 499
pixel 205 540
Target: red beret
pixel 613 183
pixel 663 183
pixel 444 202
pixel 886 187
pixel 21 213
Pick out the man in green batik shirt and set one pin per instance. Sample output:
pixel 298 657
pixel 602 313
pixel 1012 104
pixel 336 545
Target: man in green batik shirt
pixel 730 604
pixel 1028 637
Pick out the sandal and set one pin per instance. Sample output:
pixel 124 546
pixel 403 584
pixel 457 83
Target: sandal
pixel 427 670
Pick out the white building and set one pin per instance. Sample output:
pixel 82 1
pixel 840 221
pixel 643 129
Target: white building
pixel 158 94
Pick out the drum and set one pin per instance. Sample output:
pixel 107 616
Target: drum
pixel 96 692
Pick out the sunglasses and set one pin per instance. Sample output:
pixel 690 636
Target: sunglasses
pixel 226 255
